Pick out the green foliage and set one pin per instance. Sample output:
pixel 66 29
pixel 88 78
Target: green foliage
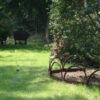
pixel 29 14
pixel 79 23
pixel 5 24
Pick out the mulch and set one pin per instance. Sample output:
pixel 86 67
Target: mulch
pixel 78 77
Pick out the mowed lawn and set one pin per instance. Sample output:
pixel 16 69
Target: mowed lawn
pixel 24 76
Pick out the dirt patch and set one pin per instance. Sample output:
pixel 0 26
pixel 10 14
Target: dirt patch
pixel 78 77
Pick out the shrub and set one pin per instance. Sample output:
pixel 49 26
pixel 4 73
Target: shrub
pixel 78 22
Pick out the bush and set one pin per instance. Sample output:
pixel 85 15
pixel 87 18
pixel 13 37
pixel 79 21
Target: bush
pixel 79 24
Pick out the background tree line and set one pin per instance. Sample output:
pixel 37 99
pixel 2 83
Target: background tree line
pixel 32 15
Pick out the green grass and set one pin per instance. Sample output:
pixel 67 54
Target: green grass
pixel 32 82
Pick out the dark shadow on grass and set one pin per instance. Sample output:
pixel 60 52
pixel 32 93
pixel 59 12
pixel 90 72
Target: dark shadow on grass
pixel 3 97
pixel 63 97
pixel 13 79
pixel 93 87
pixel 28 79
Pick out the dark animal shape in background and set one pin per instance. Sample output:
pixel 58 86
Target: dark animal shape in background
pixel 3 38
pixel 20 35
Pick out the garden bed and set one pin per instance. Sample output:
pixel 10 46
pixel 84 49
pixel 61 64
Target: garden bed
pixel 77 76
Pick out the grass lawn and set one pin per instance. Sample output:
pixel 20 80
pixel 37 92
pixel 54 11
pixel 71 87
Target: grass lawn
pixel 24 76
